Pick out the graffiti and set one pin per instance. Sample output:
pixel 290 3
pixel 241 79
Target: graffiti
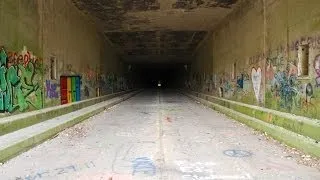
pixel 121 83
pixel 247 176
pixel 255 59
pixel 86 91
pixel 317 69
pixel 240 81
pixel 58 171
pixel 313 42
pixel 306 91
pixel 309 90
pixel 221 94
pixel 143 165
pixel 18 86
pixel 208 83
pixel 110 82
pixel 293 69
pixel 204 170
pixel 102 80
pixel 22 58
pixel 103 176
pixel 90 79
pixel 69 67
pixel 256 81
pixel 237 153
pixel 274 65
pixel 51 90
pixel 285 87
pixel 282 79
pixel 226 88
pixel 197 167
pixel 90 73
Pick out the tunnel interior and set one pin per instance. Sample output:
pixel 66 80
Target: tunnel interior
pixel 157 56
pixel 159 76
pixel 156 39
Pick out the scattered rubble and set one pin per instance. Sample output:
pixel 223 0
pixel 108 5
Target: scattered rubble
pixel 293 153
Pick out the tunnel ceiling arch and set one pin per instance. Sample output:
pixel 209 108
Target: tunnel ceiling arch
pixel 156 30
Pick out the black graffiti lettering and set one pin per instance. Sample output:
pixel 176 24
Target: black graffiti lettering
pixel 61 171
pixel 40 174
pixel 72 167
pixel 88 164
pixel 31 177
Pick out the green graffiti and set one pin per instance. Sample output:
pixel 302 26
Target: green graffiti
pixel 17 88
pixel 3 58
pixel 110 80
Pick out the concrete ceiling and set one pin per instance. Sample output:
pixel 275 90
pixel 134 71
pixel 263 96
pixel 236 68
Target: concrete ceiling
pixel 156 30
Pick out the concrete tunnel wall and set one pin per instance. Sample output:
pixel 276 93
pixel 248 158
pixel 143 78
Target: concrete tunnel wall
pixel 43 40
pixel 255 56
pixel 252 56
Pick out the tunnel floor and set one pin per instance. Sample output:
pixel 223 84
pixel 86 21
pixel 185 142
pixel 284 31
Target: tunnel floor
pixel 158 135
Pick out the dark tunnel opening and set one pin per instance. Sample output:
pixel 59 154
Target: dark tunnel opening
pixel 160 76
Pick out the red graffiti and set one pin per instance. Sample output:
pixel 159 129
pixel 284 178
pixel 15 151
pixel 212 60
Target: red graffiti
pixel 293 70
pixel 270 72
pixel 90 73
pixel 15 58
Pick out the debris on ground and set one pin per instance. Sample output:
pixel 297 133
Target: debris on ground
pixel 293 153
pixel 78 131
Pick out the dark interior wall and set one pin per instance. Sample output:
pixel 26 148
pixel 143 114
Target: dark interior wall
pixel 147 75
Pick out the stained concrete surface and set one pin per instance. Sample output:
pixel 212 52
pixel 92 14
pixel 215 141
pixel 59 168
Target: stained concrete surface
pixel 158 135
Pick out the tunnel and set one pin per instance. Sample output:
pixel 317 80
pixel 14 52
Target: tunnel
pixel 159 55
pixel 163 76
pixel 160 89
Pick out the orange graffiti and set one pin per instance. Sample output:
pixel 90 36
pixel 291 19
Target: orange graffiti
pixel 270 72
pixel 90 74
pixel 23 57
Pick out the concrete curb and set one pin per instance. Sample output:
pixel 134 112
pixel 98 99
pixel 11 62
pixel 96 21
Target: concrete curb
pixel 293 139
pixel 298 124
pixel 25 144
pixel 19 121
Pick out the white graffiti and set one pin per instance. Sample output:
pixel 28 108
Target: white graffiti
pixel 212 177
pixel 256 81
pixel 204 171
pixel 124 134
pixel 198 167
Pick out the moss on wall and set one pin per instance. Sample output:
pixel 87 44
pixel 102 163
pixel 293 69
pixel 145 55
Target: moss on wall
pixel 255 56
pixel 57 30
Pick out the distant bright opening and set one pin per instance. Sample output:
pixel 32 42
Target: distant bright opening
pixel 159 84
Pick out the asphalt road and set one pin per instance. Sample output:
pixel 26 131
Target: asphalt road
pixel 158 135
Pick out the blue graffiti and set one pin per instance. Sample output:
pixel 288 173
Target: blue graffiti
pixel 143 165
pixel 286 88
pixel 51 90
pixel 240 81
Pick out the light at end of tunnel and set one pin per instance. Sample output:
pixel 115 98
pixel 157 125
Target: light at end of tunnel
pixel 159 85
